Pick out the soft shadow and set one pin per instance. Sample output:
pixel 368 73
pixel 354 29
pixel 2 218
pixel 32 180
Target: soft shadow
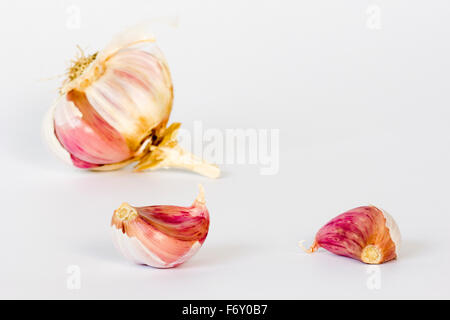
pixel 412 248
pixel 101 250
pixel 206 256
pixel 218 255
pixel 188 173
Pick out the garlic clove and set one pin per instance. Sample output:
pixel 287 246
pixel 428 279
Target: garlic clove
pixel 134 95
pixel 85 134
pixel 367 234
pixel 160 236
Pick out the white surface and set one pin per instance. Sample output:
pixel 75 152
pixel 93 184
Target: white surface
pixel 363 117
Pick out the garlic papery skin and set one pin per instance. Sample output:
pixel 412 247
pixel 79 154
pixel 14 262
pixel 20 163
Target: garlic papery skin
pixel 367 234
pixel 160 236
pixel 114 107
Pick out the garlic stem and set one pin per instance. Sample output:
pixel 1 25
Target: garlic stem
pixel 168 154
pixel 176 157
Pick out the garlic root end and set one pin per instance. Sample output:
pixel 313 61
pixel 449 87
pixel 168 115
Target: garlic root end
pixel 125 212
pixel 371 254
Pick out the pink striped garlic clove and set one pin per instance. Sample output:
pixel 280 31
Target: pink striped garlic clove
pixel 367 234
pixel 89 139
pixel 160 236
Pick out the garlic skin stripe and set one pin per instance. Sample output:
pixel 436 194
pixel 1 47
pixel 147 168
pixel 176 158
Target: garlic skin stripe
pixel 160 236
pixel 367 234
pixel 114 108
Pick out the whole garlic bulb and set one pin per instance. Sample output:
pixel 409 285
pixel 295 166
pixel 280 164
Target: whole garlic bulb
pixel 114 107
pixel 160 236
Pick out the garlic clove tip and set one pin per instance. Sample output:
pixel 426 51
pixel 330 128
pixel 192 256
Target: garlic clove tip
pixel 314 247
pixel 201 195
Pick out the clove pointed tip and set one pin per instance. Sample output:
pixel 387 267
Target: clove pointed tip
pixel 312 249
pixel 201 195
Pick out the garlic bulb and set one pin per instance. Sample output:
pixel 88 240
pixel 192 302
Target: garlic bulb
pixel 160 236
pixel 114 107
pixel 368 234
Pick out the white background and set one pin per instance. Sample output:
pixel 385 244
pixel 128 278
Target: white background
pixel 363 114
